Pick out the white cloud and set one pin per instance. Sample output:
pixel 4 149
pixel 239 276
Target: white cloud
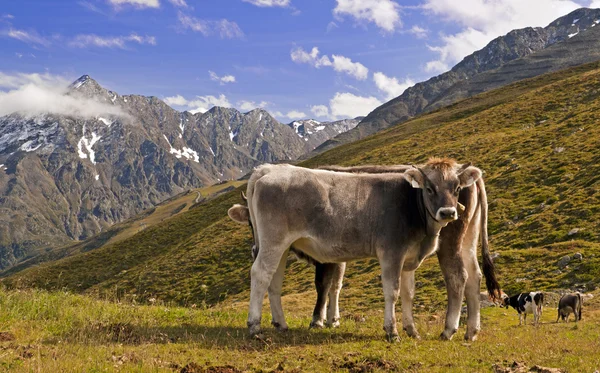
pixel 136 3
pixel 33 94
pixel 331 26
pixel 277 114
pixel 384 13
pixel 345 65
pixel 179 3
pixel 221 79
pixel 245 105
pixel 29 37
pixel 8 16
pixel 418 32
pixel 295 114
pixel 484 20
pixel 391 86
pixel 226 29
pixel 299 55
pixel 339 63
pixel 320 111
pixel 199 104
pixel 268 3
pixel 348 105
pixel 83 41
pixel 178 100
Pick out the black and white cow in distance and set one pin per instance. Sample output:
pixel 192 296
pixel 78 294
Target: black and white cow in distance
pixel 335 217
pixel 526 303
pixel 570 303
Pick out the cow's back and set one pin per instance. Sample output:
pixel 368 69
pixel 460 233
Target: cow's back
pixel 334 209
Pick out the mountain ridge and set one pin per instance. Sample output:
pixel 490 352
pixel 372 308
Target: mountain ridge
pixel 65 178
pixel 423 96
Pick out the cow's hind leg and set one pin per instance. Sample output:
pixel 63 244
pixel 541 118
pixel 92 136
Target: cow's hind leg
pixel 278 318
pixel 407 294
pixel 322 284
pixel 455 276
pixel 336 280
pixel 472 290
pixel 266 264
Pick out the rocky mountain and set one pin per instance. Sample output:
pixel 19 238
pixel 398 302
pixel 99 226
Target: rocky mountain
pixel 448 87
pixel 65 178
pixel 314 133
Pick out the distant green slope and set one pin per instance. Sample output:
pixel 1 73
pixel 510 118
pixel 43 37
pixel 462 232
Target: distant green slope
pixel 538 141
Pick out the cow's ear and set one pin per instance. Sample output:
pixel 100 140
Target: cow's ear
pixel 469 176
pixel 415 177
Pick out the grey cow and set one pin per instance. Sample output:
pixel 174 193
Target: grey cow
pixel 570 303
pixel 329 276
pixel 335 217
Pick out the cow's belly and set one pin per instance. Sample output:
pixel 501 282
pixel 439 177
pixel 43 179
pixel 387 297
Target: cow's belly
pixel 325 252
pixel 529 307
pixel 567 310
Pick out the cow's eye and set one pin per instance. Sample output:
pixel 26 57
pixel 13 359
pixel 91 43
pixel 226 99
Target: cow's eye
pixel 429 191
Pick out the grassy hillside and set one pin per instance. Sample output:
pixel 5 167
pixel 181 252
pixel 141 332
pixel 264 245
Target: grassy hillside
pixel 150 218
pixel 61 332
pixel 537 140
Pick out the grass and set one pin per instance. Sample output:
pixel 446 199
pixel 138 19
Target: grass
pixel 62 332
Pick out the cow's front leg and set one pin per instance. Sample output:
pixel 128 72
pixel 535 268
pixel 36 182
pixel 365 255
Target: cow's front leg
pixel 390 277
pixel 322 284
pixel 333 309
pixel 278 318
pixel 263 269
pixel 455 276
pixel 407 294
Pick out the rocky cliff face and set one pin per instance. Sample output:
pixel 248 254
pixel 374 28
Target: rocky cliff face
pixel 66 178
pixel 517 44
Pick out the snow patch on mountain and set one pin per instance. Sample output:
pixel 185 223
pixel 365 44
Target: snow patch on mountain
pixel 86 144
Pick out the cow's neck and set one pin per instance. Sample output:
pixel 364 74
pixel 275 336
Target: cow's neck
pixel 431 225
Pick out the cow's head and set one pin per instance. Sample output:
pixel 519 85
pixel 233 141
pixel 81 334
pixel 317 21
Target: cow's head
pixel 441 181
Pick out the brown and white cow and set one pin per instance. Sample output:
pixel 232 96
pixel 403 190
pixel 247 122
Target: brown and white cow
pixel 570 303
pixel 334 217
pixel 328 277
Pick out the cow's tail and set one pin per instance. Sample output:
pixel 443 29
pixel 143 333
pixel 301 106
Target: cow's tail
pixel 580 306
pixel 489 270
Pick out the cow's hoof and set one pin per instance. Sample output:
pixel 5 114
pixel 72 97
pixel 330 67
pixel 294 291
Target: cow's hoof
pixel 334 324
pixel 447 335
pixel 254 329
pixel 411 331
pixel 392 338
pixel 280 327
pixel 316 325
pixel 469 337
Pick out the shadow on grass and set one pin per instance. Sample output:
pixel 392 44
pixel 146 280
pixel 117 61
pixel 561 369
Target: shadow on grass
pixel 211 337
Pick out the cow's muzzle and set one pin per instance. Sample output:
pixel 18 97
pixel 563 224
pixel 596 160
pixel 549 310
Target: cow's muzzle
pixel 447 214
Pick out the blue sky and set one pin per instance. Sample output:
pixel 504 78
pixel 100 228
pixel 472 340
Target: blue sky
pixel 248 53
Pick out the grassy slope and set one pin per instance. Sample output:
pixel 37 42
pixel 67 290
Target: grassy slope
pixel 61 332
pixel 537 141
pixel 165 210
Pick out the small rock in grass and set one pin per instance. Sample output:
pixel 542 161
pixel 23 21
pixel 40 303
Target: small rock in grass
pixel 564 261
